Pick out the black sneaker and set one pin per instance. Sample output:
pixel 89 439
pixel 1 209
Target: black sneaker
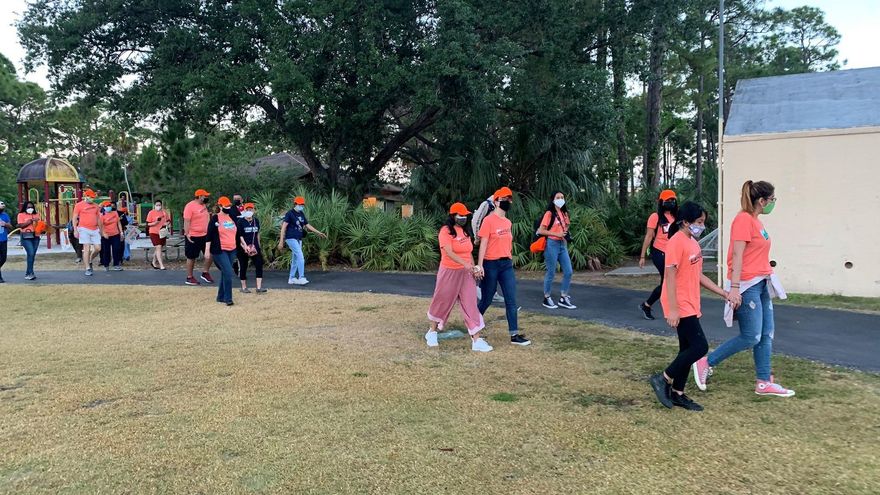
pixel 565 302
pixel 229 303
pixel 520 340
pixel 661 389
pixel 548 303
pixel 646 310
pixel 2 281
pixel 683 401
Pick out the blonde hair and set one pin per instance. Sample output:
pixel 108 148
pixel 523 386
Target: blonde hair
pixel 752 192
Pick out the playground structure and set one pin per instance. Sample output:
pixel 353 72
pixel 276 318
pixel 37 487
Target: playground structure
pixel 55 186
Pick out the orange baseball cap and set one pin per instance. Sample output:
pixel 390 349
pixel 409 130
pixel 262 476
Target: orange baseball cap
pixel 106 203
pixel 224 201
pixel 89 193
pixel 299 200
pixel 667 194
pixel 504 192
pixel 202 192
pixel 249 205
pixel 123 209
pixel 458 209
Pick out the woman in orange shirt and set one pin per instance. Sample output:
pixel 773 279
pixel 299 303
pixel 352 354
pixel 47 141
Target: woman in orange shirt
pixel 495 262
pixel 156 219
pixel 222 244
pixel 111 237
pixel 455 280
pixel 657 235
pixel 680 298
pixel 27 223
pixel 749 272
pixel 554 225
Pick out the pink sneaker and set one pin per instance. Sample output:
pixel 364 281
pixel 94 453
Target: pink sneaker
pixel 773 389
pixel 702 370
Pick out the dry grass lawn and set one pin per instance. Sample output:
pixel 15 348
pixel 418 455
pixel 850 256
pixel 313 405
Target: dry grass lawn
pixel 161 390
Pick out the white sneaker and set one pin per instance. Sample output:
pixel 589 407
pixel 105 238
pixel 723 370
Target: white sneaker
pixel 292 280
pixel 480 345
pixel 303 281
pixel 431 338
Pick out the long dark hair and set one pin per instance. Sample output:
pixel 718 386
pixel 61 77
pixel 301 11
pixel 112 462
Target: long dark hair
pixel 24 207
pixel 450 224
pixel 689 212
pixel 661 218
pixel 552 207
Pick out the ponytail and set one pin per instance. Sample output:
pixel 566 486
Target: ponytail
pixel 752 192
pixel 689 212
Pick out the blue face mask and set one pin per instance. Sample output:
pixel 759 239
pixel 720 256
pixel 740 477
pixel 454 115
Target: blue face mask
pixel 108 209
pixel 298 208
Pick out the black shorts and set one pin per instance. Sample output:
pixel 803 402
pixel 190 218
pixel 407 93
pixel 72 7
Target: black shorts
pixel 192 249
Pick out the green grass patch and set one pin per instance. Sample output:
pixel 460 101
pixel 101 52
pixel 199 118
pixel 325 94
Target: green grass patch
pixel 504 397
pixel 833 301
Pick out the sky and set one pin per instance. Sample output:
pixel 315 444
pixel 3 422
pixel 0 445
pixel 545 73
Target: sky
pixel 856 20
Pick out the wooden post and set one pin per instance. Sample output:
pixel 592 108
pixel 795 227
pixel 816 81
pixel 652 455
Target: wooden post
pixel 48 213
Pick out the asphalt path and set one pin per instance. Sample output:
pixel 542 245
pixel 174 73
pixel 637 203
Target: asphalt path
pixel 834 337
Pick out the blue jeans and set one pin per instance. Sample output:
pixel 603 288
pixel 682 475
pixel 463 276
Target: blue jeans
pixel 30 248
pixel 557 252
pixel 224 264
pixel 297 260
pixel 756 327
pixel 126 252
pixel 500 272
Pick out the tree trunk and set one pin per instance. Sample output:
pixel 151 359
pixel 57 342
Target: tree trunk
pixel 618 48
pixel 698 179
pixel 655 95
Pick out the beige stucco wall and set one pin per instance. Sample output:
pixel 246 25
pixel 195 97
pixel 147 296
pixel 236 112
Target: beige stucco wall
pixel 828 211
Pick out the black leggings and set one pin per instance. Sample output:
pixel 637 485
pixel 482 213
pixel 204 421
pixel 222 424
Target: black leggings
pixel 243 260
pixel 3 245
pixel 692 346
pixel 659 259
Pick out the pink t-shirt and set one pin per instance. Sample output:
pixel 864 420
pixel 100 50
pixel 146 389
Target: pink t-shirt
pixel 197 214
pixel 756 257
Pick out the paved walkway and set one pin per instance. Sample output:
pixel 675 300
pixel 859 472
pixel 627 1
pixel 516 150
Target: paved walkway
pixel 834 337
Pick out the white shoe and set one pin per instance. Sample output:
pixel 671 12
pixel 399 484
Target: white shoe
pixel 303 281
pixel 431 338
pixel 481 345
pixel 292 280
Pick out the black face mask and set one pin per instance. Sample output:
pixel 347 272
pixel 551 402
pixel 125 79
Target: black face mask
pixel 237 202
pixel 461 221
pixel 227 210
pixel 669 205
pixel 504 205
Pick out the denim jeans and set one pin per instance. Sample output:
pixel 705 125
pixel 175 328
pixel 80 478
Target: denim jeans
pixel 297 260
pixel 126 251
pixel 224 264
pixel 557 252
pixel 500 272
pixel 756 327
pixel 3 253
pixel 30 248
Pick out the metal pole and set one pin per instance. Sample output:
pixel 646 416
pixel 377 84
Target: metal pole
pixel 722 258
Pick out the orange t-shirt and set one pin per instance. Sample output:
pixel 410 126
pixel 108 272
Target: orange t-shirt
pixel 197 214
pixel 227 229
pixel 560 225
pixel 111 223
pixel 756 257
pixel 24 217
pixel 684 253
pixel 161 217
pixel 661 237
pixel 88 214
pixel 461 246
pixel 498 237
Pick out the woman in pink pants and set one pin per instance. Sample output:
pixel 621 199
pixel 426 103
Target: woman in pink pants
pixel 455 280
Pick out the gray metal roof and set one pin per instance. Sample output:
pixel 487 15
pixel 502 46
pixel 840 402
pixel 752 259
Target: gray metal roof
pixel 803 102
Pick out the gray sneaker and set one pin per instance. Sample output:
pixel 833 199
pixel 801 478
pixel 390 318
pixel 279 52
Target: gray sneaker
pixel 245 291
pixel 89 272
pixel 117 268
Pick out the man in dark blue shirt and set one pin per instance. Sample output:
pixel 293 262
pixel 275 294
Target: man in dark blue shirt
pixel 292 230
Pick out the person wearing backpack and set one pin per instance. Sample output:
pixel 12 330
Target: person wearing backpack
pixel 495 262
pixel 485 208
pixel 657 235
pixel 554 226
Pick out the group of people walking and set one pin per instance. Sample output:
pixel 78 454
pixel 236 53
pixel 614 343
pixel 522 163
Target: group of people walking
pixel 228 237
pixel 672 234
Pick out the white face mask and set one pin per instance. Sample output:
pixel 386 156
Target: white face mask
pixel 559 203
pixel 30 211
pixel 247 214
pixel 158 208
pixel 299 208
